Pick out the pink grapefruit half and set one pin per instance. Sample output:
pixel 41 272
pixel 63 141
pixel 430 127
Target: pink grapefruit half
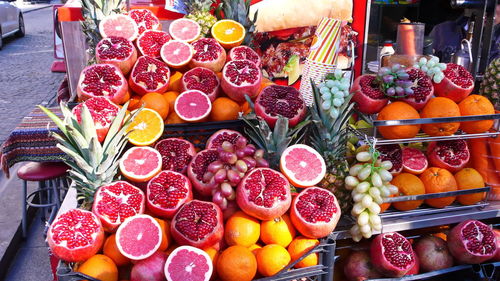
pixel 184 30
pixel 414 161
pixel 120 26
pixel 302 165
pixel 188 263
pixel 177 53
pixel 140 163
pixel 138 237
pixel 192 105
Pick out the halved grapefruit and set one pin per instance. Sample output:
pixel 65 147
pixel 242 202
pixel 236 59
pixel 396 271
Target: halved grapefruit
pixel 138 237
pixel 302 165
pixel 414 161
pixel 188 263
pixel 184 30
pixel 177 53
pixel 140 163
pixel 120 26
pixel 192 105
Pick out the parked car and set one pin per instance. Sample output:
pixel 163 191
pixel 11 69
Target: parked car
pixel 11 20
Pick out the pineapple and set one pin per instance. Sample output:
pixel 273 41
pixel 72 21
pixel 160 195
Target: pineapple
pixel 490 86
pixel 238 10
pixel 199 11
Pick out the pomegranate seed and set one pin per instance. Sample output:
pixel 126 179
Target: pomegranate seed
pixel 285 101
pixel 196 220
pixel 75 228
pixel 316 205
pixel 241 72
pixel 479 238
pixel 206 49
pixel 266 187
pixel 397 250
pixel 167 189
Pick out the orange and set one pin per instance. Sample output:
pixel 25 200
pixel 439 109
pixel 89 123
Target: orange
pixel 468 178
pixel 408 184
pixel 171 249
pixel 126 97
pixel 278 231
pixel 397 111
pixel 265 82
pixel 156 102
pixel 224 109
pixel 146 128
pixel 171 96
pixel 236 263
pixel 166 239
pixel 255 248
pixel 241 229
pixel 385 206
pixel 175 83
pixel 100 267
pixel 111 250
pixel 440 107
pixel 228 33
pixel 438 180
pixel 135 102
pixel 299 247
pixel 214 255
pixel 476 105
pixel 173 118
pixel 245 108
pixel 271 259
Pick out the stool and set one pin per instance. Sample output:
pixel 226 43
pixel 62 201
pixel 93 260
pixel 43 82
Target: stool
pixel 49 175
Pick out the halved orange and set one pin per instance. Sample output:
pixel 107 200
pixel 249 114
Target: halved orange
pixel 228 33
pixel 146 128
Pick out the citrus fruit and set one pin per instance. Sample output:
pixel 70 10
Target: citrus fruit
pixel 138 237
pixel 147 127
pixel 476 105
pixel 385 206
pixel 171 248
pixel 271 259
pixel 156 102
pixel 140 163
pixel 228 33
pixel 255 248
pixel 236 263
pixel 184 30
pixel 440 107
pixel 134 102
pixel 188 263
pixel 300 246
pixel 241 229
pixel 213 254
pixel 414 161
pixel 302 165
pixel 438 180
pixel 278 231
pixel 245 108
pixel 170 97
pixel 173 118
pixel 119 26
pixel 264 83
pixel 100 267
pixel 111 250
pixel 166 238
pixel 175 83
pixel 224 109
pixel 192 105
pixel 398 111
pixel 408 184
pixel 177 53
pixel 468 178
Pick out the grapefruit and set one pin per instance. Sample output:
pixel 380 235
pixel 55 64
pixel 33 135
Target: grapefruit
pixel 193 105
pixel 140 163
pixel 414 161
pixel 184 30
pixel 138 237
pixel 177 53
pixel 302 165
pixel 188 263
pixel 120 26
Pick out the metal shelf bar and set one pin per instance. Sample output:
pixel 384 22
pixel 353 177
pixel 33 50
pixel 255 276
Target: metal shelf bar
pixel 381 123
pixel 436 195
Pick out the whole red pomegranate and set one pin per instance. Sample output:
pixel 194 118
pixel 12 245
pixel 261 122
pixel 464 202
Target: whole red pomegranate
pixel 457 84
pixel 367 95
pixel 422 88
pixel 175 153
pixel 392 254
pixel 149 75
pixel 208 53
pixel 240 78
pixel 102 80
pixel 202 79
pixel 433 253
pixel 451 155
pixel 117 51
pixel 275 100
pixel 244 53
pixel 167 192
pixel 151 269
pixel 103 112
pixel 472 242
pixel 358 266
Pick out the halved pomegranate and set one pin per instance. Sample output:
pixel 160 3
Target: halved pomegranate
pixel 150 42
pixel 103 112
pixel 145 20
pixel 422 89
pixel 149 75
pixel 167 192
pixel 202 79
pixel 198 224
pixel 457 84
pixel 264 193
pixel 245 53
pixel 392 254
pixel 176 154
pixel 472 241
pixel 208 53
pixel 393 153
pixel 221 136
pixel 102 80
pixel 240 78
pixel 115 202
pixel 315 212
pixel 117 51
pixel 451 155
pixel 198 167
pixel 275 100
pixel 367 94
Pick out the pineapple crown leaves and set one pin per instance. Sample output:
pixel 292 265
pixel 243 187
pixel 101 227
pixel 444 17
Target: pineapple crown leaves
pixel 198 5
pixel 238 10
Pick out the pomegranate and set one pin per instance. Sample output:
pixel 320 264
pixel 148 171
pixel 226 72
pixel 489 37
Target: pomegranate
pixel 472 242
pixel 198 224
pixel 497 255
pixel 451 155
pixel 117 51
pixel 315 212
pixel 102 80
pixel 149 75
pixel 115 202
pixel 167 192
pixel 220 136
pixel 367 95
pixel 275 100
pixel 393 153
pixel 433 253
pixel 422 89
pixel 208 53
pixel 150 42
pixel 264 193
pixel 416 268
pixel 202 79
pixel 457 84
pixel 358 266
pixel 240 78
pixel 176 154
pixel 198 167
pixel 392 254
pixel 145 20
pixel 103 112
pixel 151 269
pixel 244 53
pixel 75 235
